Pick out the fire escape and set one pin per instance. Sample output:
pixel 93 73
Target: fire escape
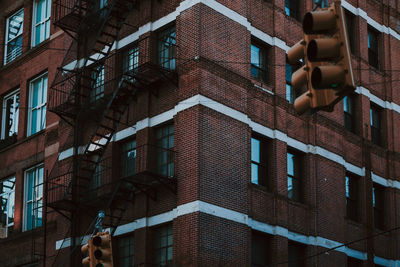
pixel 91 94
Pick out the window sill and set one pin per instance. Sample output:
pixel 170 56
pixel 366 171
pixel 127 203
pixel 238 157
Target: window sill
pixel 261 188
pixel 353 222
pixel 26 55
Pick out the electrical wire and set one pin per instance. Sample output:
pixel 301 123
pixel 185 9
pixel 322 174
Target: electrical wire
pixel 336 247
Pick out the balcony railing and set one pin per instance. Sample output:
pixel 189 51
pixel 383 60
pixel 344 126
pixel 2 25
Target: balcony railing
pixel 71 89
pixel 147 166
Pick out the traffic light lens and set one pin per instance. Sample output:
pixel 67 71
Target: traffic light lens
pixel 98 254
pixel 97 241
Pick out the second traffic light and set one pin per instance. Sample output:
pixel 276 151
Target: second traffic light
pixel 327 71
pixel 102 250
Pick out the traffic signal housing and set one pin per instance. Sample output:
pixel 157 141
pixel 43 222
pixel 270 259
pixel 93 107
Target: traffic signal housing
pixel 102 250
pixel 87 250
pixel 327 71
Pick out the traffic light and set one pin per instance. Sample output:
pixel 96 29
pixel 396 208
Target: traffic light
pixel 87 249
pixel 327 70
pixel 102 250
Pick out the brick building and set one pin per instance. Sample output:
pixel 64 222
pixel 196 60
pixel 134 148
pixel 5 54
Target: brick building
pixel 175 117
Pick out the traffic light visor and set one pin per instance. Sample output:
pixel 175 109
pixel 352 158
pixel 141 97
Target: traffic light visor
pixel 296 52
pixel 319 22
pixel 323 49
pixel 324 77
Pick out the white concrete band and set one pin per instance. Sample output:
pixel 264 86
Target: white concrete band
pixel 220 212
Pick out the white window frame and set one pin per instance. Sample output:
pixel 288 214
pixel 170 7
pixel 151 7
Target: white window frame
pixel 44 35
pixel 13 94
pixel 36 196
pixel 40 106
pixel 8 195
pixel 6 42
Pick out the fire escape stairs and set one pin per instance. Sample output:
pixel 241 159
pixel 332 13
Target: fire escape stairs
pixel 68 89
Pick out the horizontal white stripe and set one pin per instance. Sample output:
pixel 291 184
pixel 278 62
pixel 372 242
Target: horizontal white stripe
pixel 361 13
pixel 385 182
pixel 273 41
pixel 220 212
pixel 256 127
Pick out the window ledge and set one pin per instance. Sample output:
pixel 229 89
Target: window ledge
pixel 353 222
pixel 32 52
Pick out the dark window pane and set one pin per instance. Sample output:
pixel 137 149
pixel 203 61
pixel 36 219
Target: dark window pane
pixel 259 62
pixel 352 198
pixel 375 120
pixel 260 250
pixel 126 251
pixel 296 254
pixel 294 176
pixel 373 48
pixel 162 246
pixel 378 205
pixel 166 48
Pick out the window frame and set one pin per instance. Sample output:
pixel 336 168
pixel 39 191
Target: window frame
pixel 263 243
pixel 169 169
pixel 13 95
pixel 42 106
pixel 374 54
pixel 262 163
pixel 291 93
pixel 352 194
pixel 36 197
pixel 296 176
pixel 379 210
pixel 44 22
pixel 349 119
pixel 6 42
pixel 376 130
pixel 293 9
pixel 121 252
pixel 97 83
pixel 9 194
pixel 124 172
pixel 128 63
pixel 350 19
pixel 166 60
pixel 156 248
pixel 261 67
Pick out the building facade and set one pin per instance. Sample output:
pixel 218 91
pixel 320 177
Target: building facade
pixel 175 118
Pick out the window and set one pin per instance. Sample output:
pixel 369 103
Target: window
pixel 378 204
pixel 166 48
pixel 41 21
pixel 259 62
pixel 10 115
pixel 373 48
pixel 162 245
pixel 291 92
pixel 128 159
pixel 296 254
pixel 37 105
pixel 375 114
pixel 292 8
pixel 13 40
pixel 351 262
pixel 294 175
pixel 348 108
pixel 260 250
pixel 350 23
pixel 259 157
pixel 352 199
pixel 97 83
pixel 7 202
pixel 164 146
pixel 126 251
pixel 33 198
pixel 131 59
pixel 322 3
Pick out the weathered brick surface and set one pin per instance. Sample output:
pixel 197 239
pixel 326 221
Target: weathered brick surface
pixel 213 149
